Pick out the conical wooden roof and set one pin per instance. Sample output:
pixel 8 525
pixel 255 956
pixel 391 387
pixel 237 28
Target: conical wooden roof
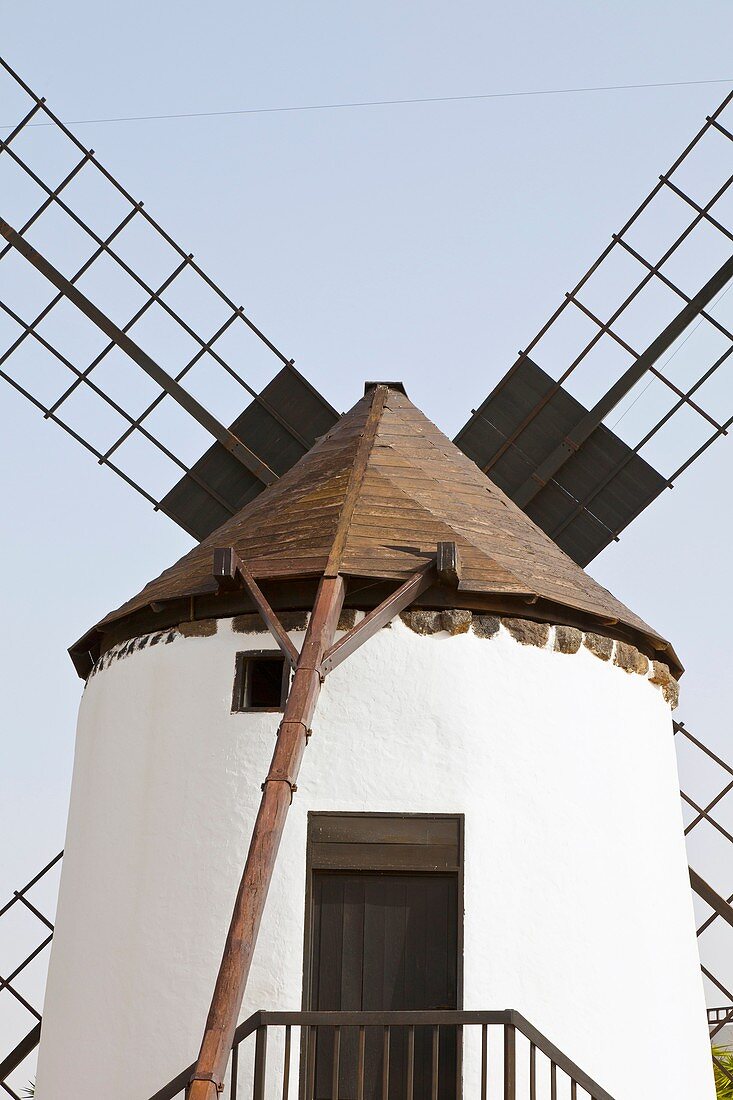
pixel 372 499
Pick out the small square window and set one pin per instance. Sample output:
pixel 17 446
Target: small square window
pixel 261 681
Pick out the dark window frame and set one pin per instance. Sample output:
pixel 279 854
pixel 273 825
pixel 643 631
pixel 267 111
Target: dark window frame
pixel 242 660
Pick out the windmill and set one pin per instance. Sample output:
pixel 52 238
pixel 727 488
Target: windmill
pixel 326 529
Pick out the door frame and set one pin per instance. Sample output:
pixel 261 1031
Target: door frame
pixel 416 857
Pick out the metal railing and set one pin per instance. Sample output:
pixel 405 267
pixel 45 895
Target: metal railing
pixel 437 1055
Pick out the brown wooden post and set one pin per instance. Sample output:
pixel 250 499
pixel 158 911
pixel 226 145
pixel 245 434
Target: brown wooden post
pixel 279 785
pixel 277 794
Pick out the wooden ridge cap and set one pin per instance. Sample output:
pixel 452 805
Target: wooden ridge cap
pixel 378 394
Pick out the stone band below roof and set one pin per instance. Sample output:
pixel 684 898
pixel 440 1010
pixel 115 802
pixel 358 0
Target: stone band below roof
pixel 451 621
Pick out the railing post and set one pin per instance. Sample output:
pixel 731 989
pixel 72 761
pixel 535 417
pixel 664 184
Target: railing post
pixel 312 1047
pixel 510 1062
pixel 532 1072
pixel 360 1064
pixel 385 1062
pixel 286 1063
pixel 459 1062
pixel 410 1089
pixel 258 1088
pixel 234 1071
pixel 336 1063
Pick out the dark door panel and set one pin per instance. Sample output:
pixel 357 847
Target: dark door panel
pixel 385 942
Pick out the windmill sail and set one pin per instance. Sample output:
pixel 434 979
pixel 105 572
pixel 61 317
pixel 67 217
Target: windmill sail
pixel 619 391
pixel 116 334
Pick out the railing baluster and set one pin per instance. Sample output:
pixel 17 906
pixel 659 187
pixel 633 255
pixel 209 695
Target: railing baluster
pixel 411 1062
pixel 434 1069
pixel 459 1062
pixel 360 1064
pixel 258 1091
pixel 510 1062
pixel 553 1081
pixel 385 1063
pixel 484 1060
pixel 234 1073
pixel 573 1090
pixel 336 1060
pixel 311 1088
pixel 286 1064
pixel 532 1072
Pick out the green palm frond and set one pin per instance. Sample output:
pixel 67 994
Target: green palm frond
pixel 723 1072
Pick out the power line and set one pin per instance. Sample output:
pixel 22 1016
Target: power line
pixel 390 102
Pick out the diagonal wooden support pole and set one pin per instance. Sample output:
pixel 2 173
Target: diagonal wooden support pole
pixel 280 784
pixel 230 571
pixel 318 656
pixel 277 794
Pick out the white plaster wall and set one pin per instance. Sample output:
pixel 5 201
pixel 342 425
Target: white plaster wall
pixel 577 904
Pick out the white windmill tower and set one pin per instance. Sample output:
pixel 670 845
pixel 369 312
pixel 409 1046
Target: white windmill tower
pixel 485 739
pixel 483 786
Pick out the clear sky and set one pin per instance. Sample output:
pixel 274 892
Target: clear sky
pixel 423 242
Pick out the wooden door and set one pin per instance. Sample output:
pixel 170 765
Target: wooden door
pixel 384 941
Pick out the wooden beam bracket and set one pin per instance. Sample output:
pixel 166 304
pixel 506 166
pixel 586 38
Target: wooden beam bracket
pixel 448 564
pixel 230 572
pixel 406 594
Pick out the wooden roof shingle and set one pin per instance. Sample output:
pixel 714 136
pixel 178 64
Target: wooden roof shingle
pixel 415 489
